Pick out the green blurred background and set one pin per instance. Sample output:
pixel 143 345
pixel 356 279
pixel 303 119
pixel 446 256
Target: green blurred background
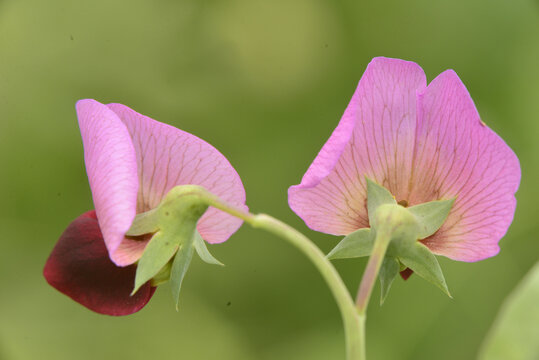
pixel 265 82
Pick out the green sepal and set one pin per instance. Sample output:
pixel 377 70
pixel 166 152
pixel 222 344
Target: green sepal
pixel 402 267
pixel 419 258
pixel 400 228
pixel 431 215
pixel 203 252
pixel 357 244
pixel 406 226
pixel 144 223
pixel 377 195
pixel 360 242
pixel 397 223
pixel 388 271
pixel 156 255
pixel 174 223
pixel 162 276
pixel 179 268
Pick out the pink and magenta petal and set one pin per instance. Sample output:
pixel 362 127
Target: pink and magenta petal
pixel 375 138
pixel 79 266
pixel 457 155
pixel 111 166
pixel 167 157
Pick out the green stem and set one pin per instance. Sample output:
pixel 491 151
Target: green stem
pixel 354 322
pixel 371 271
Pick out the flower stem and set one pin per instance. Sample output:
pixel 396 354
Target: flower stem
pixel 354 321
pixel 371 271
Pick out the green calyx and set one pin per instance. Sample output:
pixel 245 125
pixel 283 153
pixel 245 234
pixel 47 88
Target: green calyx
pixel 174 238
pixel 395 231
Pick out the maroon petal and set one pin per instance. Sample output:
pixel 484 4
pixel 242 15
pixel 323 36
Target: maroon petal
pixel 79 266
pixel 406 273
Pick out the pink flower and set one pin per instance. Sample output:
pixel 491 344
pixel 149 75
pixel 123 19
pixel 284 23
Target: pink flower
pixel 422 143
pixel 132 161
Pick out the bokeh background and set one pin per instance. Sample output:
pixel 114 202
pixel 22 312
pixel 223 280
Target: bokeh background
pixel 265 82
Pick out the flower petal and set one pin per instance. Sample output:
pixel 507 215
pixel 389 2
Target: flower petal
pixel 406 273
pixel 79 266
pixel 168 157
pixel 374 138
pixel 458 155
pixel 111 166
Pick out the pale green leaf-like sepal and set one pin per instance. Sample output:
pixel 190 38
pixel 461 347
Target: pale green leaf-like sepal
pixel 357 244
pixel 179 269
pixel 176 218
pixel 419 258
pixel 144 223
pixel 156 255
pixel 377 195
pixel 393 238
pixel 431 216
pixel 162 276
pixel 203 252
pixel 388 271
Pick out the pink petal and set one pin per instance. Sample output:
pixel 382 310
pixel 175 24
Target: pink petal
pixel 111 166
pixel 458 155
pixel 79 267
pixel 375 138
pixel 167 157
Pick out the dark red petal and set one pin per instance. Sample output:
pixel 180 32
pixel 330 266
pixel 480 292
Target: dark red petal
pixel 79 266
pixel 406 273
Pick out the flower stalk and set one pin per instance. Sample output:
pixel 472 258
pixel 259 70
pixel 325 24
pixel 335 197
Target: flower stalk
pixel 395 230
pixel 370 274
pixel 354 322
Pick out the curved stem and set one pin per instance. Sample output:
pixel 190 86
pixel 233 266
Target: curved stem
pixel 354 322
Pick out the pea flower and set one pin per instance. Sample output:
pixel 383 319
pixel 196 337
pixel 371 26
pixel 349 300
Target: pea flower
pixel 132 161
pixel 422 143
